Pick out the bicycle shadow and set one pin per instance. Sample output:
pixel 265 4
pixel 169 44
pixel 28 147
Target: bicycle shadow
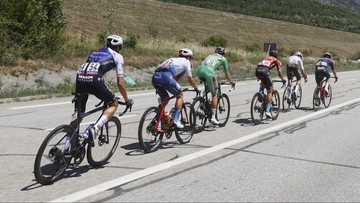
pixel 71 172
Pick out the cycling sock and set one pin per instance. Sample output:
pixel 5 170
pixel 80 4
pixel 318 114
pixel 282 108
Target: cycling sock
pixel 176 115
pixel 213 113
pixel 267 107
pixel 100 123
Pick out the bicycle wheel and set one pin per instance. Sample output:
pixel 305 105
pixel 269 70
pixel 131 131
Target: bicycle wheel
pixel 327 97
pixel 256 108
pixel 316 99
pixel 223 110
pixel 286 102
pixel 275 105
pixel 187 116
pixel 200 114
pixel 50 162
pixel 149 138
pixel 106 143
pixel 298 97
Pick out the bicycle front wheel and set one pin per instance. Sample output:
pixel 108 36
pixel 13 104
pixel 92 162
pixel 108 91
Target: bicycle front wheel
pixel 149 136
pixel 256 108
pixel 199 107
pixel 327 97
pixel 106 144
pixel 286 102
pixel 298 97
pixel 275 105
pixel 223 110
pixel 50 162
pixel 316 99
pixel 187 118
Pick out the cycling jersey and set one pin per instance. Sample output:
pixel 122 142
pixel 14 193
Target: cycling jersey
pixel 207 70
pixel 263 68
pixel 322 69
pixel 293 64
pixel 165 73
pixel 90 79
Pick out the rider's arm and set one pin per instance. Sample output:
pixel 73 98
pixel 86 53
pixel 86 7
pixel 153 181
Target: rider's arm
pixel 122 88
pixel 119 62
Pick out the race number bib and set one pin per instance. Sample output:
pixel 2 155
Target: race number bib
pixel 90 68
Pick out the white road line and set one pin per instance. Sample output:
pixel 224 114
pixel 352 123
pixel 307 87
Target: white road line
pixel 77 196
pixel 88 123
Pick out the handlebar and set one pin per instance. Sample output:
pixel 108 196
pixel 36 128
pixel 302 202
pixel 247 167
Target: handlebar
pixel 283 81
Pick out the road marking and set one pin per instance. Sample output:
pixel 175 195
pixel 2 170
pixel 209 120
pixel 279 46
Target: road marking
pixel 88 123
pixel 80 195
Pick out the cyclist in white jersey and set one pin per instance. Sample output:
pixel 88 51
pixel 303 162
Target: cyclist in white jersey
pixel 294 65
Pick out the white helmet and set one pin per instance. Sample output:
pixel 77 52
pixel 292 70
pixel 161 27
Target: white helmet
pixel 186 52
pixel 298 53
pixel 114 41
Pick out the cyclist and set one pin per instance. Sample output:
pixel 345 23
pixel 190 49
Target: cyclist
pixel 263 73
pixel 322 69
pixel 167 75
pixel 294 64
pixel 90 80
pixel 207 70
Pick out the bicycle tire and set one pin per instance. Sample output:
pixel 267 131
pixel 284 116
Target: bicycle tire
pixel 50 162
pixel 106 144
pixel 328 97
pixel 298 98
pixel 187 116
pixel 256 109
pixel 223 110
pixel 286 103
pixel 275 105
pixel 149 139
pixel 199 107
pixel 316 99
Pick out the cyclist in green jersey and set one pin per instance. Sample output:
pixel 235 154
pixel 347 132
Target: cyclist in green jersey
pixel 206 72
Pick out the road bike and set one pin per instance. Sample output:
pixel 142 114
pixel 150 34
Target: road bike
pixel 202 107
pixel 289 95
pixel 65 143
pixel 321 96
pixel 155 124
pixel 258 104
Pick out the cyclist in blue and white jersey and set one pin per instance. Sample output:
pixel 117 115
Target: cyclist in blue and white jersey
pixel 322 69
pixel 168 73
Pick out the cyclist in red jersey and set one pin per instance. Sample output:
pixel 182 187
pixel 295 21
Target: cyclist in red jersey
pixel 263 73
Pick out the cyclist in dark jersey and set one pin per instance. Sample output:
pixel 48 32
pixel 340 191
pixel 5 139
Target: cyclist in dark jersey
pixel 90 80
pixel 263 73
pixel 322 69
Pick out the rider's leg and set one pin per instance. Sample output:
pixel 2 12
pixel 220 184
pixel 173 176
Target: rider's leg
pixel 107 114
pixel 178 105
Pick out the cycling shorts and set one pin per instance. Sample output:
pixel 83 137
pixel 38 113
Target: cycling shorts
pixel 293 70
pixel 320 74
pixel 167 84
pixel 207 74
pixel 95 85
pixel 263 74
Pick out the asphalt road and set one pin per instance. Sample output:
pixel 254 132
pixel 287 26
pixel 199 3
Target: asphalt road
pixel 301 156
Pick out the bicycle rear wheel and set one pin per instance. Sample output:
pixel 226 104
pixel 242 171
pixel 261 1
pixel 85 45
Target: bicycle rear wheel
pixel 256 108
pixel 148 136
pixel 316 99
pixel 199 107
pixel 298 97
pixel 50 162
pixel 286 102
pixel 106 143
pixel 327 97
pixel 275 105
pixel 223 110
pixel 187 118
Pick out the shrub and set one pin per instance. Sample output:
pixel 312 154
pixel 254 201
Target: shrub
pixel 254 47
pixel 215 41
pixel 131 41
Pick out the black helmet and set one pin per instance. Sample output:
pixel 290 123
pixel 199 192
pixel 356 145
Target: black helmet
pixel 327 55
pixel 220 50
pixel 274 53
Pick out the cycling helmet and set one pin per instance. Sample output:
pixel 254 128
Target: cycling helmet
pixel 327 55
pixel 220 50
pixel 298 53
pixel 114 41
pixel 274 53
pixel 185 53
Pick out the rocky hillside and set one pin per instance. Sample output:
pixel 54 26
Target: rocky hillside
pixel 352 4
